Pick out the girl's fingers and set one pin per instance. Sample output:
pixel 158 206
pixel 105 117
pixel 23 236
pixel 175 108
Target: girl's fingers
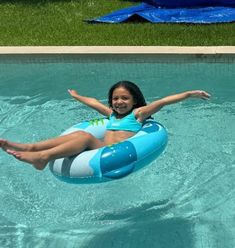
pixel 205 94
pixel 201 93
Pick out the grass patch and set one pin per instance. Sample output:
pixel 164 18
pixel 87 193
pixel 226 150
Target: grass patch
pixel 61 22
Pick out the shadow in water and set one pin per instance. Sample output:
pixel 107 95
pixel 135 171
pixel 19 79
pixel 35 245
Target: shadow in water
pixel 149 225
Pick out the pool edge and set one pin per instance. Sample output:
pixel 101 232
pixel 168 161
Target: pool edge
pixel 211 50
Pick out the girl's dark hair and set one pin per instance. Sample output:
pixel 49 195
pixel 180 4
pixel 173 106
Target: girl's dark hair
pixel 134 91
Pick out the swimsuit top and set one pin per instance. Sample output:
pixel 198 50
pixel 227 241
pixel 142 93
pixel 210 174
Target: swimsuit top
pixel 127 123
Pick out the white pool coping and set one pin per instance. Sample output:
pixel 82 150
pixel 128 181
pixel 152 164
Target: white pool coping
pixel 208 50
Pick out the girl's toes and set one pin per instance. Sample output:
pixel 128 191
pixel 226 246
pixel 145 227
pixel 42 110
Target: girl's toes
pixel 12 152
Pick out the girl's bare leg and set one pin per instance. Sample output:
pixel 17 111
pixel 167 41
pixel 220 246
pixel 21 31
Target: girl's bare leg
pixel 39 146
pixel 74 146
pixel 5 144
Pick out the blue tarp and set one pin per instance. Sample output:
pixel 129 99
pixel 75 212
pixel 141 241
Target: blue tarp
pixel 191 3
pixel 199 11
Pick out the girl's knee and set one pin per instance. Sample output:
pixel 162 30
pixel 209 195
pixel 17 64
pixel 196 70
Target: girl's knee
pixel 76 134
pixel 84 135
pixel 90 141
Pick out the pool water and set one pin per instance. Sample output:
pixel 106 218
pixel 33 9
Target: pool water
pixel 184 199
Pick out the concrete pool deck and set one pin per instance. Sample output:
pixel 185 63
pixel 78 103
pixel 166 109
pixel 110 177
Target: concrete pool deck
pixel 211 50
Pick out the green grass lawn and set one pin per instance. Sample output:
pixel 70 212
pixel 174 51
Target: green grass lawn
pixel 61 22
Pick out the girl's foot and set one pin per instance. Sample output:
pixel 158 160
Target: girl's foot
pixel 34 158
pixel 5 144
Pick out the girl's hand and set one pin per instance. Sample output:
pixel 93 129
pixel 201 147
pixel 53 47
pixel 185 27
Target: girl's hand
pixel 73 93
pixel 200 94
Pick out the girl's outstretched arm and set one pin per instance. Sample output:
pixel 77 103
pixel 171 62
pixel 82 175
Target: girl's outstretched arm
pixel 91 102
pixel 143 112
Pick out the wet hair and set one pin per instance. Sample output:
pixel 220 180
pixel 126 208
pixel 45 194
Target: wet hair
pixel 134 91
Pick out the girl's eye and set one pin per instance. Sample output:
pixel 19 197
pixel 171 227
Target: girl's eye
pixel 124 98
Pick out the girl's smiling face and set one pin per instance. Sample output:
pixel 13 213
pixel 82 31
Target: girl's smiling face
pixel 122 101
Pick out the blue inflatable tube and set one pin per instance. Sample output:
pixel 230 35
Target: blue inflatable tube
pixel 114 161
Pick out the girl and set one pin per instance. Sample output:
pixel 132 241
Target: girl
pixel 127 111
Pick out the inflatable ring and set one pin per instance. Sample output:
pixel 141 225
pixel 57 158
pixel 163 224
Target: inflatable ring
pixel 114 161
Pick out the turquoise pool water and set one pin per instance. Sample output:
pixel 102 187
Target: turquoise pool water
pixel 184 199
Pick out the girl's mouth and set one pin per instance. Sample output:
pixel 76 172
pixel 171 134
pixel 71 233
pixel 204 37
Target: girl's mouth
pixel 120 108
